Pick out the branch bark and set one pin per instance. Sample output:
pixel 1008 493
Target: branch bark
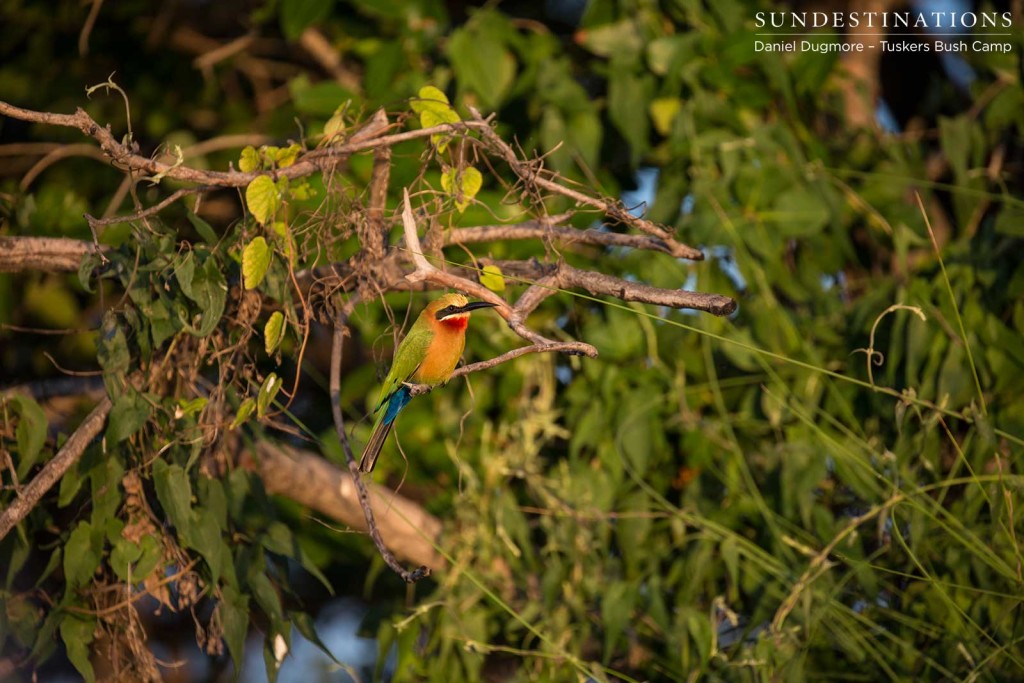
pixel 32 493
pixel 368 138
pixel 542 230
pixel 50 254
pixel 310 480
pixel 531 175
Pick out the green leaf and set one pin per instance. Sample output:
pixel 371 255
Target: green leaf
pixel 620 38
pixel 262 198
pixel 318 99
pixel 112 354
pixel 31 433
pixel 305 626
pixel 89 263
pixel 616 609
pixel 77 634
pixel 800 212
pixel 234 618
pixel 80 556
pixel 188 408
pixel 628 94
pixel 203 228
pixel 152 554
pixel 287 156
pixel 492 279
pixel 70 485
pixel 430 98
pixel 174 491
pixel 185 271
pixel 244 411
pixel 434 110
pixel 130 412
pixel 480 57
pixel 265 594
pixel 125 552
pixel 249 161
pixel 273 332
pixel 297 15
pixel 663 113
pixel 204 537
pixel 462 184
pixel 210 292
pixel 335 125
pixel 268 391
pixel 255 262
pixel 106 478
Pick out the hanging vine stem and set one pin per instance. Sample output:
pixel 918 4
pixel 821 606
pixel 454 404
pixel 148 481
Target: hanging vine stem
pixel 875 357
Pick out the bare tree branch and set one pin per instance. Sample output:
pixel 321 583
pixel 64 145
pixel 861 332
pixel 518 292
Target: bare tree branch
pixel 310 480
pixel 531 174
pixel 145 213
pixel 541 230
pixel 374 238
pixel 52 254
pixel 369 138
pixel 425 271
pixel 31 493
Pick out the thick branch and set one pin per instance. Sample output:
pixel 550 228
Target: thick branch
pixel 64 255
pixel 368 138
pixel 542 230
pixel 599 283
pixel 310 480
pixel 52 254
pixel 51 473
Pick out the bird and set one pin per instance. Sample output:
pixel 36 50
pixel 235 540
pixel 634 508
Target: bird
pixel 428 355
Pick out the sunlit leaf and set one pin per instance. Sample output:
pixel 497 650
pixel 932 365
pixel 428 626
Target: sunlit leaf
pixel 273 332
pixel 249 161
pixel 492 278
pixel 262 198
pixel 255 262
pixel 268 391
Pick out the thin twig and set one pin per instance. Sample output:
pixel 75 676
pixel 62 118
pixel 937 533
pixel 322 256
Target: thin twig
pixel 340 329
pixel 571 348
pixel 156 208
pixel 531 175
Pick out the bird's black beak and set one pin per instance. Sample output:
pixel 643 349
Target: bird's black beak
pixel 455 310
pixel 475 305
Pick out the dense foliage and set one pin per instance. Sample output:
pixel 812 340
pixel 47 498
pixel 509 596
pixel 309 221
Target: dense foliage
pixel 827 484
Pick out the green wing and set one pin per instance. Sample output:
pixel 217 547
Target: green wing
pixel 408 357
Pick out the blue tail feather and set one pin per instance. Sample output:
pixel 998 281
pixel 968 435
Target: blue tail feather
pixel 399 400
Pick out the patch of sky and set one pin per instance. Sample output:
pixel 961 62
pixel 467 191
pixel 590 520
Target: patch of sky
pixel 338 627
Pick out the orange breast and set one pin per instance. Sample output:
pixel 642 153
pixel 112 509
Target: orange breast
pixel 442 356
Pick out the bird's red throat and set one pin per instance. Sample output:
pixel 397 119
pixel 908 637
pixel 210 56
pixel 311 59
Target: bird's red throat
pixel 456 324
